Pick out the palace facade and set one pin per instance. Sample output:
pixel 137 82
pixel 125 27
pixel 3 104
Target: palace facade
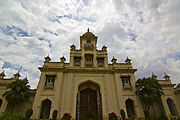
pixel 89 86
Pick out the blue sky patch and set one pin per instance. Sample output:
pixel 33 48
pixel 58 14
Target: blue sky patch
pixel 9 65
pixel 140 14
pixel 132 35
pixel 48 31
pixel 12 30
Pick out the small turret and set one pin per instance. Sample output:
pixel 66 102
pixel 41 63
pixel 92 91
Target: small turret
pixel 166 77
pixel 128 61
pixel 154 76
pixel 63 59
pixel 73 47
pixel 47 59
pixel 2 75
pixel 17 75
pixel 114 60
pixel 104 48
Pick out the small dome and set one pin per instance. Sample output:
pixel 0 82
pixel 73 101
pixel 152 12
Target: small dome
pixel 88 33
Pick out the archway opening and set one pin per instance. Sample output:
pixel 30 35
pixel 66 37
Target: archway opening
pixel 88 102
pixel 45 109
pixel 172 106
pixel 130 108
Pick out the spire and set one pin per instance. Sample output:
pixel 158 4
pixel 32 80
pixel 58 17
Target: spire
pixel 63 59
pixel 2 75
pixel 88 30
pixel 166 77
pixel 73 47
pixel 17 75
pixel 128 61
pixel 154 76
pixel 47 59
pixel 104 48
pixel 114 60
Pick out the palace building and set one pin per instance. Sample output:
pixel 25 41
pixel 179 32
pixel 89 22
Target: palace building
pixel 89 86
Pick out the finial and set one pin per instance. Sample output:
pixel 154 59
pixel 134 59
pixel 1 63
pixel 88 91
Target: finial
pixel 167 77
pixel 88 30
pixel 17 75
pixel 63 59
pixel 152 73
pixel 154 76
pixel 113 60
pixel 128 61
pixel 47 58
pixel 2 75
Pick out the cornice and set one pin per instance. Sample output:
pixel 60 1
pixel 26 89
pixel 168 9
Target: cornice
pixel 87 70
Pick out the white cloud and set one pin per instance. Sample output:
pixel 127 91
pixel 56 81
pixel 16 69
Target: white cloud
pixel 146 31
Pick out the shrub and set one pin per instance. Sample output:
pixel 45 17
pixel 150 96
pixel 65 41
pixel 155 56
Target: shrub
pixel 113 116
pixel 55 113
pixel 66 116
pixel 29 112
pixel 11 117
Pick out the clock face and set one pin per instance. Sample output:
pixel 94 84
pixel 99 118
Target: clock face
pixel 88 41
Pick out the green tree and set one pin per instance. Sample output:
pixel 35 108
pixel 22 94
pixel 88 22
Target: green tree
pixel 18 91
pixel 149 91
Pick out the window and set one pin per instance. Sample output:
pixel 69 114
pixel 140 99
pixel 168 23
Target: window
pixel 100 61
pixel 89 59
pixel 77 60
pixel 126 81
pixel 88 41
pixel 50 79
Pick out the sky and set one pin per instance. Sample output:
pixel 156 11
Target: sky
pixel 147 31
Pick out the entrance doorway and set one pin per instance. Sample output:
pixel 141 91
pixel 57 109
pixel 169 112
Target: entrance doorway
pixel 45 109
pixel 88 102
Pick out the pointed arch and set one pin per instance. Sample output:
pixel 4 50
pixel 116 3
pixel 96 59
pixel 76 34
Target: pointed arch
pixel 45 109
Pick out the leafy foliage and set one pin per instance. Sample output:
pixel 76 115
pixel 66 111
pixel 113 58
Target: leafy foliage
pixel 66 116
pixel 113 116
pixel 149 91
pixel 18 91
pixel 11 117
pixel 29 112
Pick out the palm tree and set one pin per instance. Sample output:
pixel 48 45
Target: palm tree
pixel 18 91
pixel 149 91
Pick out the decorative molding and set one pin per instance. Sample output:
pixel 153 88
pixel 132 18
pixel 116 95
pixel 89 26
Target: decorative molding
pixel 87 70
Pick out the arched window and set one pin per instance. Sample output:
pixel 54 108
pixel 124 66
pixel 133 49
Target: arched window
pixel 130 108
pixel 0 102
pixel 172 106
pixel 45 109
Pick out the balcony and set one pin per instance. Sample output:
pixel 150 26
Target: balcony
pixel 89 63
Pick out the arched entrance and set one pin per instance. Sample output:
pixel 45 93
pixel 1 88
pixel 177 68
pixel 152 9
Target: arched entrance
pixel 45 109
pixel 88 102
pixel 130 108
pixel 172 106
